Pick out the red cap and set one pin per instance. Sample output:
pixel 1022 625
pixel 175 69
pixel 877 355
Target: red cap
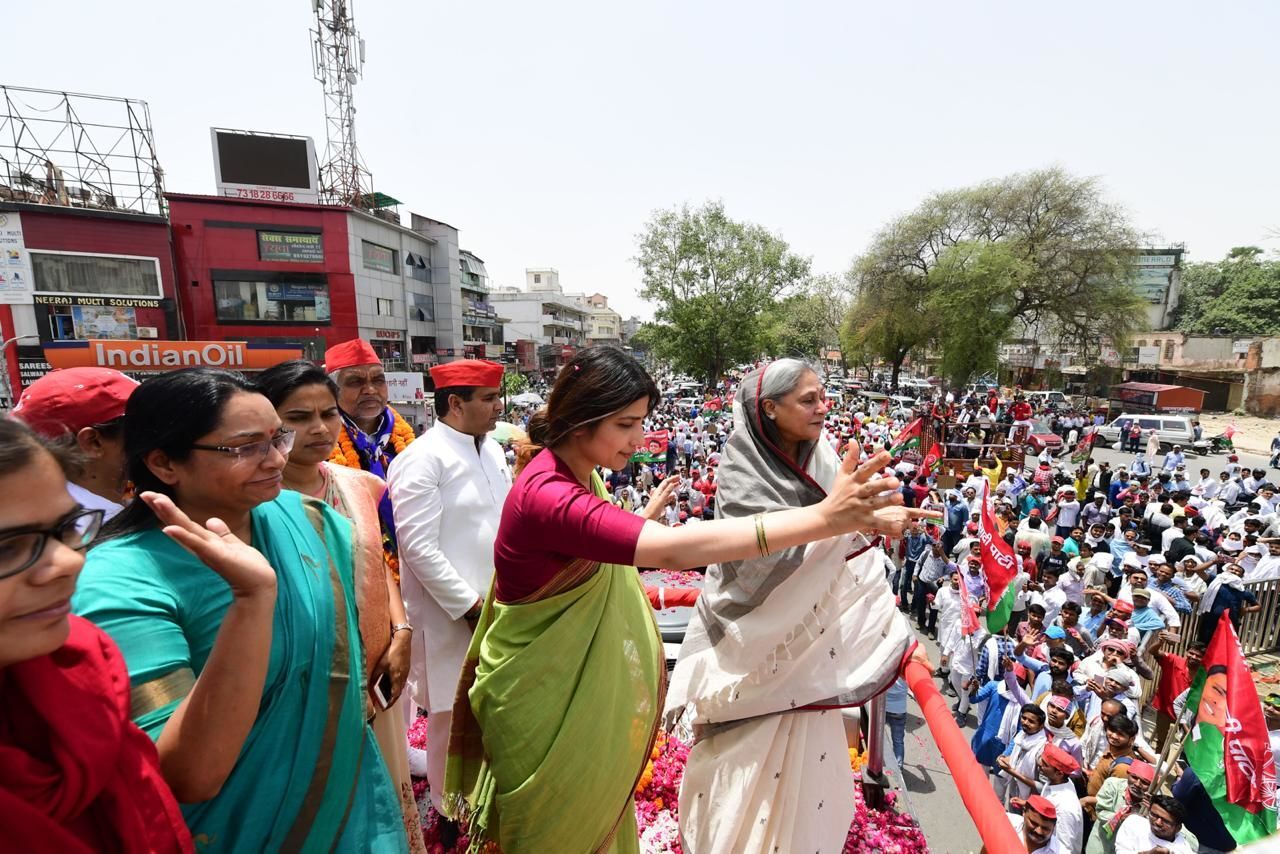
pixel 1059 540
pixel 972 527
pixel 350 354
pixel 1056 757
pixel 1142 770
pixel 71 399
pixel 1120 606
pixel 467 372
pixel 1041 804
pixel 1035 511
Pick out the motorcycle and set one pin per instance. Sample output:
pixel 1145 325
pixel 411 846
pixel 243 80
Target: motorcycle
pixel 1220 444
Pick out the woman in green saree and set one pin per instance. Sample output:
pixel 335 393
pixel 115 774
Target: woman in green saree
pixel 245 660
pixel 563 685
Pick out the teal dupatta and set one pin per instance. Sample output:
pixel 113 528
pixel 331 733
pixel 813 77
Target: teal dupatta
pixel 310 777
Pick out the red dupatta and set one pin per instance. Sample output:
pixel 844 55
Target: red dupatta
pixel 78 775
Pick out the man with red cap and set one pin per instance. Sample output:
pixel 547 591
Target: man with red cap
pixel 1117 799
pixel 82 410
pixel 372 432
pixel 1037 825
pixel 1057 767
pixel 447 491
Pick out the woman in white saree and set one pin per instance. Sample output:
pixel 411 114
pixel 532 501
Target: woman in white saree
pixel 780 643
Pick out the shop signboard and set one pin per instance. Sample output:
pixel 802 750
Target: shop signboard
pixel 288 246
pixel 404 385
pixel 151 356
pixel 16 283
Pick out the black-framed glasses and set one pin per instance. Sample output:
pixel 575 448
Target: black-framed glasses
pixel 19 550
pixel 282 442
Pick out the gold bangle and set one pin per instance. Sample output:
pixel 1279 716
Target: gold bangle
pixel 762 542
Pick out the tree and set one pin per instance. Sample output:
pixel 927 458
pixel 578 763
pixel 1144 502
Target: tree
pixel 711 279
pixel 1239 295
pixel 808 322
pixel 513 383
pixel 1065 262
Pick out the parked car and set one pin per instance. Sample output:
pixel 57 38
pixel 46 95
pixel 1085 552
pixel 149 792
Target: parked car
pixel 1172 429
pixel 1054 398
pixel 1043 437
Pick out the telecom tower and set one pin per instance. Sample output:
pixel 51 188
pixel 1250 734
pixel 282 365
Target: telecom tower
pixel 338 59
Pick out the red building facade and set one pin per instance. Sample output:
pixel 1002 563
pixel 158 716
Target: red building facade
pixel 268 274
pixel 95 274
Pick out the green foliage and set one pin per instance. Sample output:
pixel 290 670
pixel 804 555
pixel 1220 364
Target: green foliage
pixel 712 280
pixel 807 322
pixel 514 383
pixel 970 267
pixel 1239 295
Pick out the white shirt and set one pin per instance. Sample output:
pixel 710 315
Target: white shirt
pixel 93 501
pixel 447 496
pixel 1052 847
pixel 1135 836
pixel 1070 830
pixel 1267 568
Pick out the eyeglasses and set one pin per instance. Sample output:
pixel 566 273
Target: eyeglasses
pixel 282 442
pixel 19 550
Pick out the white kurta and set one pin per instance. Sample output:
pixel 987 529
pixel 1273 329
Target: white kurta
pixel 448 498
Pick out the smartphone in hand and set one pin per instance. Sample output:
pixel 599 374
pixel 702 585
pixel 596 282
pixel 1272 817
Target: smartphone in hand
pixel 382 691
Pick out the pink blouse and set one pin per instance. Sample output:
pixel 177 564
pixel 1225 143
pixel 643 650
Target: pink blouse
pixel 550 519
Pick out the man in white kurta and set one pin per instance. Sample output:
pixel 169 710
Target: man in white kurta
pixel 447 490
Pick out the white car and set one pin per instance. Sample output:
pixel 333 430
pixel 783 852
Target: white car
pixel 1172 429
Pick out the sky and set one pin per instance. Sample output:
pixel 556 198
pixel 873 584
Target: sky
pixel 548 133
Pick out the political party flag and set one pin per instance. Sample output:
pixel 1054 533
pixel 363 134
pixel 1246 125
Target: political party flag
pixel 654 449
pixel 715 404
pixel 968 615
pixel 908 438
pixel 934 458
pixel 999 565
pixel 1229 747
pixel 1081 453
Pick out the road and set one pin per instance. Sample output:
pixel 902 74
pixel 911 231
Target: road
pixel 929 793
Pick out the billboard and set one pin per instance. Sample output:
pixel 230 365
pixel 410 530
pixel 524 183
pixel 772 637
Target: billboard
pixel 265 167
pixel 166 355
pixel 288 246
pixel 15 264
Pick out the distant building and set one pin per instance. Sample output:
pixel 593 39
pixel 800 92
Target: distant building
pixel 1159 282
pixel 482 330
pixel 604 325
pixel 554 321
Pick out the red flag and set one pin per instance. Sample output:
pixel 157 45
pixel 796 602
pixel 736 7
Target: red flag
pixel 1230 735
pixel 933 458
pixel 713 405
pixel 999 563
pixel 968 616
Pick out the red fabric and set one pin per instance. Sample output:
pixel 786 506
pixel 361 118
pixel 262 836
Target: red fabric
pixel 1021 411
pixel 672 597
pixel 467 372
pixel 550 519
pixel 77 774
pixel 350 354
pixel 999 563
pixel 1174 679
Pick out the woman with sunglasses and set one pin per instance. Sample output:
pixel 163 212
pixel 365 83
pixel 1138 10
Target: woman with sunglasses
pixel 234 604
pixel 77 775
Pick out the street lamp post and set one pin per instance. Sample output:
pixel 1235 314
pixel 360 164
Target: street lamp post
pixel 6 390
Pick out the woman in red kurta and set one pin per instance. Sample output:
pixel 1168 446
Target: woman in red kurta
pixel 75 774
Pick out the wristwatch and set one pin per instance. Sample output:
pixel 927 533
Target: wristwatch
pixel 401 627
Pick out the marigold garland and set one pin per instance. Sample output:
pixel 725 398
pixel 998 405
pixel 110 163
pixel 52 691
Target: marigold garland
pixel 345 454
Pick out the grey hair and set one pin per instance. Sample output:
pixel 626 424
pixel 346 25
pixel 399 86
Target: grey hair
pixel 782 377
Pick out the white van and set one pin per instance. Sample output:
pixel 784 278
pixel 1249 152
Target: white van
pixel 1172 429
pixel 1042 398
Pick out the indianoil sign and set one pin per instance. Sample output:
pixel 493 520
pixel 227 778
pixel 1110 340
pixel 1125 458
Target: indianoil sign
pixel 167 355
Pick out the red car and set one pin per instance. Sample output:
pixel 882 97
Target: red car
pixel 1042 437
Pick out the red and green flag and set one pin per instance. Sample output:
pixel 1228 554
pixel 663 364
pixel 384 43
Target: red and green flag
pixel 999 565
pixel 934 458
pixel 1229 747
pixel 908 438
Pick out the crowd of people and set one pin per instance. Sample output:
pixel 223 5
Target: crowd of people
pixel 224 600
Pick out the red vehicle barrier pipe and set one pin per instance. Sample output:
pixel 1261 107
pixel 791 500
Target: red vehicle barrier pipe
pixel 971 780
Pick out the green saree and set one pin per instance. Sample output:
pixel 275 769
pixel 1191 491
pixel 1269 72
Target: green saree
pixel 309 777
pixel 556 714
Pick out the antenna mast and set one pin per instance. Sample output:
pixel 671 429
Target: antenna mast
pixel 337 54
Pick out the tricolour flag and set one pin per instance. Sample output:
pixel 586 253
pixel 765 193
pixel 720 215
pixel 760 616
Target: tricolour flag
pixel 908 438
pixel 999 565
pixel 1229 747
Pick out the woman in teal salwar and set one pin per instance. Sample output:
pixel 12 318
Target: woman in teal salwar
pixel 245 660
